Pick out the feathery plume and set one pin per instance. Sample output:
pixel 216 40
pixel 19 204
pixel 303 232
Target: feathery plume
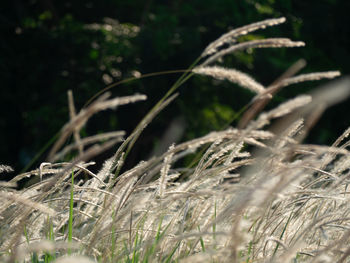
pixel 261 43
pixel 230 36
pixel 307 77
pixel 289 106
pixel 5 168
pixel 82 117
pixel 231 75
pixel 163 180
pixel 17 198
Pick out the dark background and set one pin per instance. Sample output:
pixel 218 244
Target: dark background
pixel 48 47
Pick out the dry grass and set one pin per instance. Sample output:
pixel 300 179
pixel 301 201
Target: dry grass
pixel 276 201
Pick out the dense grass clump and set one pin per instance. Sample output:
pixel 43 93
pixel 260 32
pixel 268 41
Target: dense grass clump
pixel 253 193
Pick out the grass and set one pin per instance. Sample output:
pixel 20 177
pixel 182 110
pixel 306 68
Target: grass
pixel 253 194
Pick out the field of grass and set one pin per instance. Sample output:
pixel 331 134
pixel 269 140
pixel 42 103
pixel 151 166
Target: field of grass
pixel 252 193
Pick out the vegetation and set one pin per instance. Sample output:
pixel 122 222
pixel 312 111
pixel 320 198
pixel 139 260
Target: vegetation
pixel 254 193
pixel 51 46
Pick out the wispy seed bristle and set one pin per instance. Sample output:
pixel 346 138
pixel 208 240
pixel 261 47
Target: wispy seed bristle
pixel 232 75
pixel 230 36
pixel 261 43
pixel 5 168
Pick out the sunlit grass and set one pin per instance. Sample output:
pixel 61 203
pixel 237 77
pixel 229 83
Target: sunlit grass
pixel 251 194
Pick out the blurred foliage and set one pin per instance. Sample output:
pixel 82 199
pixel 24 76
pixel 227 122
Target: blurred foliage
pixel 50 46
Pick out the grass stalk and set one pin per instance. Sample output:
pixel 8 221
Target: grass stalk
pixel 70 220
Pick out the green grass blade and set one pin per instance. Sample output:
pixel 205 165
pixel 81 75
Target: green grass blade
pixel 283 231
pixel 170 256
pixel 201 241
pixel 150 251
pixel 134 253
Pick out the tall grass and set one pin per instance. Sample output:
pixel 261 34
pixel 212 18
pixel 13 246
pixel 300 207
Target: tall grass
pixel 254 194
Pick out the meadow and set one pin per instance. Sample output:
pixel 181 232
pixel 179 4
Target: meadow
pixel 251 193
